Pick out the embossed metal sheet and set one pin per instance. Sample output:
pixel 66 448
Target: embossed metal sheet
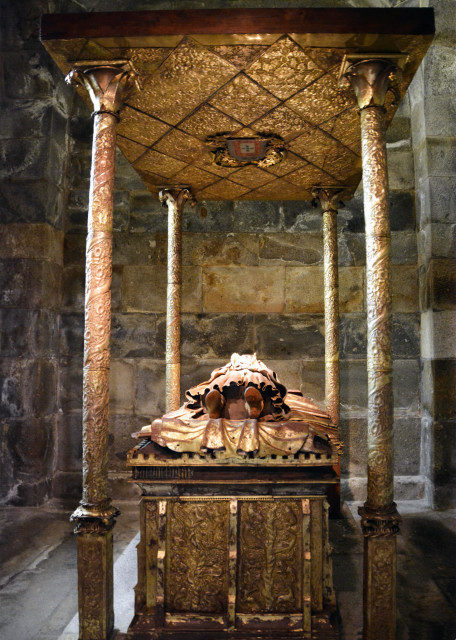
pixel 197 84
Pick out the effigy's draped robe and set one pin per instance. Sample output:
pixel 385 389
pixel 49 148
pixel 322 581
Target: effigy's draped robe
pixel 288 423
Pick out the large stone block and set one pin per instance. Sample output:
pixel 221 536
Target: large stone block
pixel 353 386
pixel 122 385
pixel 72 334
pixel 67 485
pixel 288 337
pixel 28 333
pixel 257 217
pixel 407 445
pixel 214 336
pixel 13 399
pixel 31 241
pixel 406 386
pixel 401 174
pixel 26 75
pixel 32 159
pixel 352 336
pixel 42 387
pixel 441 83
pixel 351 249
pixel 210 216
pixel 73 287
pixel 438 334
pixel 144 288
pixel 30 201
pixel 402 210
pixel 291 249
pixel 147 214
pixel 211 249
pixel 70 384
pixel 300 216
pixel 244 289
pixel 404 286
pixel 132 249
pixel 404 248
pixel 444 372
pixel 406 335
pixel 437 158
pixel 312 374
pixel 28 387
pixel 443 239
pixel 29 284
pixel 68 455
pixel 134 335
pixel 30 442
pixel 443 284
pixel 398 129
pixel 150 389
pixel 353 432
pixel 305 290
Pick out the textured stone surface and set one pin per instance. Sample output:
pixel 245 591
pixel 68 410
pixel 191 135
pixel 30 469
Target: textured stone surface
pixel 144 289
pixel 304 289
pixel 248 289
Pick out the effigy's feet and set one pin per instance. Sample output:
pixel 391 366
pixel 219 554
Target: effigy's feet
pixel 253 402
pixel 214 403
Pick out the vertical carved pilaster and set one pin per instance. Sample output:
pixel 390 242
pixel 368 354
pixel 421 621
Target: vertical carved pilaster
pixel 370 80
pixel 106 85
pixel 174 199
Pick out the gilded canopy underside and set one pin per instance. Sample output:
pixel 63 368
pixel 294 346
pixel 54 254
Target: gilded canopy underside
pixel 282 84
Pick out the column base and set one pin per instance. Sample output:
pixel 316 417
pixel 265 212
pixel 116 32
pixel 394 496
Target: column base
pixel 95 572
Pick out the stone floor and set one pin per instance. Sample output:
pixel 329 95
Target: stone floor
pixel 38 587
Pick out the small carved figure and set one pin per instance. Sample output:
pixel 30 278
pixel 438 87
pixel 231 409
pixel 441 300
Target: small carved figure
pixel 243 409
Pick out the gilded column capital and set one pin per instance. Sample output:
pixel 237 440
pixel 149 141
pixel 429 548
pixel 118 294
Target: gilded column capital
pixel 371 79
pixel 328 197
pixel 176 196
pixel 376 523
pixel 107 83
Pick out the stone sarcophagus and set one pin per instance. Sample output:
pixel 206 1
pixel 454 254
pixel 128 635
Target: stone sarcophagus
pixel 234 516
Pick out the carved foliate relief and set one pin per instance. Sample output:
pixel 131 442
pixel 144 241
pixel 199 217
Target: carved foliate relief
pixel 197 557
pixel 270 565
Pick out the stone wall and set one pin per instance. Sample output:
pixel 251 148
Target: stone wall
pixel 433 99
pixel 252 282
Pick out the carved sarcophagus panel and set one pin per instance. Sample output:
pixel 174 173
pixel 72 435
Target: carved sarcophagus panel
pixel 235 566
pixel 270 557
pixel 196 574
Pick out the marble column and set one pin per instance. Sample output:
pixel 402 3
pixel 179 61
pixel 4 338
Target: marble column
pixel 106 84
pixel 174 199
pixel 370 79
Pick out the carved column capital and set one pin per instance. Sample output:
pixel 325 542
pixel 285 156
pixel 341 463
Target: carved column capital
pixel 329 198
pixel 176 196
pixel 377 523
pixel 371 79
pixel 107 83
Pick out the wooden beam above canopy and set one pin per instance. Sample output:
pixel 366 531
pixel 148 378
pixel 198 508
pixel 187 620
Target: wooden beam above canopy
pixel 245 73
